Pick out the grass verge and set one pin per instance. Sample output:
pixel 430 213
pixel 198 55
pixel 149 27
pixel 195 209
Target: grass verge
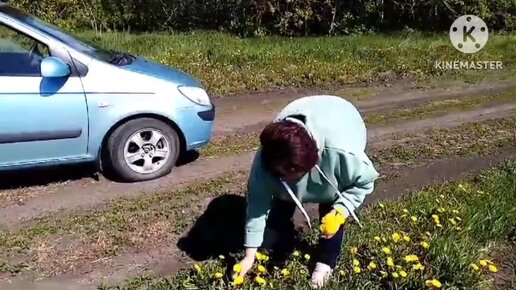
pixel 469 138
pixel 61 241
pixel 439 107
pixel 229 65
pixel 446 236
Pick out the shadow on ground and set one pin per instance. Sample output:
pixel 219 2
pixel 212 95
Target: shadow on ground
pixel 220 230
pixel 55 174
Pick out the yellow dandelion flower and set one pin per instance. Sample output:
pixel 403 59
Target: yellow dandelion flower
pixel 285 272
pixel 357 270
pixel 356 262
pixel 405 210
pixel 475 267
pixel 296 254
pixel 331 223
pixel 261 269
pixel 411 258
pixel 390 262
pixel 403 274
pixel 261 257
pixel 386 250
pixel 219 275
pixel 418 267
pixel 260 280
pixel 492 268
pixel 413 218
pixel 395 275
pixel 372 265
pixel 198 268
pixel 381 205
pixel 238 281
pixel 435 217
pixel 237 268
pixel 396 237
pixel 307 257
pixel 353 250
pixel 425 245
pixel 433 283
pixel 483 263
pixel 377 238
pixel 406 238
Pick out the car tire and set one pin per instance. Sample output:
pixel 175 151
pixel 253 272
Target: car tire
pixel 120 150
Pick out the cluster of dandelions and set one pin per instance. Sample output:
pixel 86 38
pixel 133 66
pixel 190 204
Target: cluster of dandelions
pixel 401 257
pixel 262 274
pixel 394 257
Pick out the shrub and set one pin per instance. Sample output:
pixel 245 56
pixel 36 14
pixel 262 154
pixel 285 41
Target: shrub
pixel 259 17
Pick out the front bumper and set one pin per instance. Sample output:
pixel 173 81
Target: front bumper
pixel 196 123
pixel 208 115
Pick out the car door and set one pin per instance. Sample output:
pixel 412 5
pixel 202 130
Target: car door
pixel 41 119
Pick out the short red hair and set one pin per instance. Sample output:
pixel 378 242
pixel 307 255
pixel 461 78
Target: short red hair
pixel 287 150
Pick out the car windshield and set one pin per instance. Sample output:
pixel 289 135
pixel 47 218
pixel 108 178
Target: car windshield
pixel 53 31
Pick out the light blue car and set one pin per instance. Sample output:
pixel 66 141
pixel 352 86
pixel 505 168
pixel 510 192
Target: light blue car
pixel 64 101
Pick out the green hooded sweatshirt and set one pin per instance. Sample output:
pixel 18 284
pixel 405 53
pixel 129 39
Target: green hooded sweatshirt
pixel 343 176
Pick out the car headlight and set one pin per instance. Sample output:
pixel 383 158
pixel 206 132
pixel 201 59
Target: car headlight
pixel 196 95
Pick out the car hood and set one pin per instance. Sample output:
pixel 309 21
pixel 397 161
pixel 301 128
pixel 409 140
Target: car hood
pixel 163 72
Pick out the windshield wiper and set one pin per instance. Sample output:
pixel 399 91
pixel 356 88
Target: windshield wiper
pixel 121 58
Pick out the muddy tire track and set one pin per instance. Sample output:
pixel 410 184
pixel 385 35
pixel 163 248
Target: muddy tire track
pixel 168 259
pixel 249 111
pixel 80 195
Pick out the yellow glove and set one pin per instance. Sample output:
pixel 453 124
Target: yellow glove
pixel 331 222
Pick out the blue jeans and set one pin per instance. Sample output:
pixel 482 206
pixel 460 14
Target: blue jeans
pixel 281 220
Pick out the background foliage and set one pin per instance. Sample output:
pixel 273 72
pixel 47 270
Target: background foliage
pixel 265 17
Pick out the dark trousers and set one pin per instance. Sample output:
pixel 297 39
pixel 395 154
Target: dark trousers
pixel 281 220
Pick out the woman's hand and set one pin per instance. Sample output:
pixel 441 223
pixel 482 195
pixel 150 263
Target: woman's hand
pixel 246 263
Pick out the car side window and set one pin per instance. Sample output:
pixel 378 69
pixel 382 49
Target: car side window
pixel 20 55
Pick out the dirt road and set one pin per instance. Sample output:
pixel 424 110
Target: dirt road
pixel 56 194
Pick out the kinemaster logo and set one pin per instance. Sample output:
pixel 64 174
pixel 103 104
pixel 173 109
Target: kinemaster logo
pixel 469 34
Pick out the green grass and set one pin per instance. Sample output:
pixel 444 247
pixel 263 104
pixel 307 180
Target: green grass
pixel 484 219
pixel 467 139
pixel 148 220
pixel 229 65
pixel 124 223
pixel 436 107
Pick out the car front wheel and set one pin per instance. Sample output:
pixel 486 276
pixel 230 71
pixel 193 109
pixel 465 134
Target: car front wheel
pixel 142 149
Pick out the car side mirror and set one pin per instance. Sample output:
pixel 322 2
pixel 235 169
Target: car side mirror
pixel 53 67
